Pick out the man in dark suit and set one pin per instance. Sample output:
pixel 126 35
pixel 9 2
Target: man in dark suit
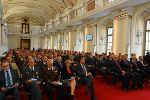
pixel 51 78
pixel 118 72
pixel 138 73
pixel 126 66
pixel 59 64
pixel 32 79
pixel 43 63
pixel 9 81
pixel 85 76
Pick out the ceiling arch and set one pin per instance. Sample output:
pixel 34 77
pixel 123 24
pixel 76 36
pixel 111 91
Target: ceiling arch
pixel 21 11
pixel 38 20
pixel 19 19
pixel 41 10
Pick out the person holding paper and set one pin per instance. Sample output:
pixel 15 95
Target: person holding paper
pixel 51 76
pixel 9 81
pixel 32 80
pixel 69 77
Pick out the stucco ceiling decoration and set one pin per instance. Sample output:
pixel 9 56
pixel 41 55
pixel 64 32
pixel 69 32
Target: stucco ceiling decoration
pixel 72 2
pixel 40 10
pixel 19 19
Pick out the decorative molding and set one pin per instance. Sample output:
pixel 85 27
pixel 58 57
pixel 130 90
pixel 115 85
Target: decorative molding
pixel 138 37
pixel 19 19
pixel 102 38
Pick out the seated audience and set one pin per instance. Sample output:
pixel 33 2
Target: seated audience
pixel 43 63
pixel 118 72
pixel 127 67
pixel 59 64
pixel 31 75
pixel 144 69
pixel 51 78
pixel 12 64
pixel 9 81
pixel 85 76
pixel 69 78
pixel 137 72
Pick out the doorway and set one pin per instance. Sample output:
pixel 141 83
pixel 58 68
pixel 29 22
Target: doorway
pixel 25 43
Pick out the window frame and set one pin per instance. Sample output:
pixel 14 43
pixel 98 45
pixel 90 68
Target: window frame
pixel 145 41
pixel 107 42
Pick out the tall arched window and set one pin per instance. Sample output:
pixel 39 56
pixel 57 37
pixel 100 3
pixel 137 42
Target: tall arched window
pixel 147 37
pixel 109 39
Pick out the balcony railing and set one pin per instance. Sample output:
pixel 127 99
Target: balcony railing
pixel 76 13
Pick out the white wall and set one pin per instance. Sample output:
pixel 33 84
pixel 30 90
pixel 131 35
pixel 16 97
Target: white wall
pixel 3 39
pixel 14 37
pixel 13 41
pixel 14 28
pixel 35 42
pixel 35 29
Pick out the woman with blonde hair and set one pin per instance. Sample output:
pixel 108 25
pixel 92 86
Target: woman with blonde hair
pixel 69 77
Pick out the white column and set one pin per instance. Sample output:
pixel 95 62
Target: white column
pixel 89 44
pixel 121 35
pixel 79 39
pixel 51 42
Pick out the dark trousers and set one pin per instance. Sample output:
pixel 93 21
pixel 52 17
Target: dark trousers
pixel 118 76
pixel 90 85
pixel 14 92
pixel 124 79
pixel 50 91
pixel 135 78
pixel 35 91
pixel 142 74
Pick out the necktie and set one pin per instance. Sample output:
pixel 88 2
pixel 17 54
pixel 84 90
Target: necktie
pixel 8 79
pixel 60 65
pixel 32 69
pixel 118 66
pixel 84 69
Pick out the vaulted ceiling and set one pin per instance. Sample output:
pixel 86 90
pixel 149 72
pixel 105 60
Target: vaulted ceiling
pixel 37 11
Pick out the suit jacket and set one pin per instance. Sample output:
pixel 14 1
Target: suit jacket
pixel 65 74
pixel 42 65
pixel 125 65
pixel 109 63
pixel 27 73
pixel 80 71
pixel 60 67
pixel 140 65
pixel 14 74
pixel 89 61
pixel 51 74
pixel 115 68
pixel 134 66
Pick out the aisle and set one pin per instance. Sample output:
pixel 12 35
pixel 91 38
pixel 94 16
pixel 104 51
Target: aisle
pixel 111 92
